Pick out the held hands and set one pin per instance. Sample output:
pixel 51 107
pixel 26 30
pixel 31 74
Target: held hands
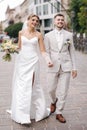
pixel 47 59
pixel 74 73
pixel 50 64
pixel 7 51
pixel 18 49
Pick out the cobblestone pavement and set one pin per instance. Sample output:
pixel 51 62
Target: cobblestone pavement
pixel 75 108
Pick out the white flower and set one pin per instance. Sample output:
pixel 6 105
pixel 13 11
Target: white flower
pixel 68 41
pixel 8 47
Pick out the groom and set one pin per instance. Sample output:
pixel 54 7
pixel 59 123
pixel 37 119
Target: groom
pixel 59 46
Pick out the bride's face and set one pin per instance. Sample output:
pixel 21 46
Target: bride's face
pixel 33 22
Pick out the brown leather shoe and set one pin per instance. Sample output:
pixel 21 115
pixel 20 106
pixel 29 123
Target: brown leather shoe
pixel 60 118
pixel 53 106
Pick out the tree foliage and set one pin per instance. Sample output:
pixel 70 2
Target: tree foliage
pixel 80 17
pixel 13 30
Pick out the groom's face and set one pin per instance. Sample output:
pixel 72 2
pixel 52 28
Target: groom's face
pixel 59 22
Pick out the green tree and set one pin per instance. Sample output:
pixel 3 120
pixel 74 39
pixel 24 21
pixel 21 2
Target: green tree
pixel 75 6
pixel 13 30
pixel 82 16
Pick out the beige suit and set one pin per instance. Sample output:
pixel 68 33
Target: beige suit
pixel 62 54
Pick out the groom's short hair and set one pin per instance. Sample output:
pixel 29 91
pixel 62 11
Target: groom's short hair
pixel 59 14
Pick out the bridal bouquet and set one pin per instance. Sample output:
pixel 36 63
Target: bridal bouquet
pixel 8 47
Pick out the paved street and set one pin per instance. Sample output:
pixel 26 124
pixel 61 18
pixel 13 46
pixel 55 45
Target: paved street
pixel 75 108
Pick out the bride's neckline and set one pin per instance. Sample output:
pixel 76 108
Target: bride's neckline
pixel 30 38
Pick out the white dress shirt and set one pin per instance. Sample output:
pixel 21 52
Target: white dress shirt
pixel 59 37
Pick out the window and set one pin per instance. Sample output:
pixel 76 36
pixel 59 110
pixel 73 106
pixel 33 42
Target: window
pixel 35 2
pixel 47 22
pixel 57 7
pixel 45 9
pixel 46 31
pixel 46 0
pixel 38 10
pixel 11 22
pixel 26 11
pixel 52 8
pixel 39 1
pixel 40 22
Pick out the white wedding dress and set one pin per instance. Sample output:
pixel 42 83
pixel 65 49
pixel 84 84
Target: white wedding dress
pixel 28 102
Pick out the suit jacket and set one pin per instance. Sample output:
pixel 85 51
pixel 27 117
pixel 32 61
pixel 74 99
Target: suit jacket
pixel 65 56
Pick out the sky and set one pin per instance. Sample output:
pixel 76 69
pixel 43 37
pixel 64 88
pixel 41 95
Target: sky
pixel 5 3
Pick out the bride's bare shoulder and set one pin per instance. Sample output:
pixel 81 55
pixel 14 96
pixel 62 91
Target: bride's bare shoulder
pixel 22 32
pixel 39 34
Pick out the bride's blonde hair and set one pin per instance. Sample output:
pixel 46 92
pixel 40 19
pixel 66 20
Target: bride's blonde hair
pixel 34 15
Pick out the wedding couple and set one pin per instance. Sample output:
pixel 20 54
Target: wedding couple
pixel 28 100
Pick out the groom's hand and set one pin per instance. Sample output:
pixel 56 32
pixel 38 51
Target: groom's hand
pixel 50 64
pixel 74 73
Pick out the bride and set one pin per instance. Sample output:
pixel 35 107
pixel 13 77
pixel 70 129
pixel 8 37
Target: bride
pixel 28 101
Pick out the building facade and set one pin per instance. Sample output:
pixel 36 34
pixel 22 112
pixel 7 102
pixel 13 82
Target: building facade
pixel 45 9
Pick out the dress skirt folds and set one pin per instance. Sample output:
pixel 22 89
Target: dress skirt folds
pixel 28 101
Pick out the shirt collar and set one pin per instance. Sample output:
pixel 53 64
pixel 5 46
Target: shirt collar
pixel 58 31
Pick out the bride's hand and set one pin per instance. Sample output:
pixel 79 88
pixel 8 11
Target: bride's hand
pixel 50 64
pixel 18 49
pixel 7 51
